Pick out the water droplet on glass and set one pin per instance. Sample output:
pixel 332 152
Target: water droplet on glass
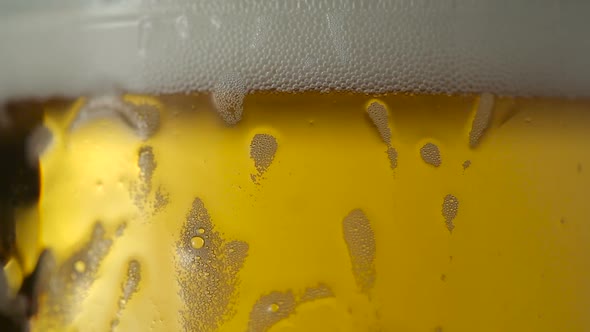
pixel 181 25
pixel 201 230
pixel 145 29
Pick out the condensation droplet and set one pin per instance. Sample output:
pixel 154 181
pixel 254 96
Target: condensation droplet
pixel 274 307
pixel 201 230
pixel 144 32
pixel 181 25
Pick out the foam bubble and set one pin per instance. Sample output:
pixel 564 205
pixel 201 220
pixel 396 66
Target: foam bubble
pixel 360 240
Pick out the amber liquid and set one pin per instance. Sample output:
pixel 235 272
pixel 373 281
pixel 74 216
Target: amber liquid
pixel 312 226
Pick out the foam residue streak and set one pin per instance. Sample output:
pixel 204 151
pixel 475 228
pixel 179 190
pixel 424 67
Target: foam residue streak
pixel 129 287
pixel 70 282
pixel 360 240
pixel 379 116
pixel 501 47
pixel 207 273
pixel 273 307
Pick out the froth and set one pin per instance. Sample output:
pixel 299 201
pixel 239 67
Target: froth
pixel 181 45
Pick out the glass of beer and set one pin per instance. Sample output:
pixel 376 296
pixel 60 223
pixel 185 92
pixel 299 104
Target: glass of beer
pixel 297 165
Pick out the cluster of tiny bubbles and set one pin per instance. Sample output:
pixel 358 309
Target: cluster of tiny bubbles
pixel 450 208
pixel 360 241
pixel 466 164
pixel 206 268
pixel 263 148
pixel 320 291
pixel 431 154
pixel 271 308
pixel 129 287
pixel 228 96
pixel 146 162
pixel 144 119
pixel 379 116
pixel 38 142
pixel 161 200
pixel 481 121
pixel 71 280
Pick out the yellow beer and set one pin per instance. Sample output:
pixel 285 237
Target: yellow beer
pixel 297 217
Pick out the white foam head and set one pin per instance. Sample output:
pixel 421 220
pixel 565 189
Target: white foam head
pixel 534 47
